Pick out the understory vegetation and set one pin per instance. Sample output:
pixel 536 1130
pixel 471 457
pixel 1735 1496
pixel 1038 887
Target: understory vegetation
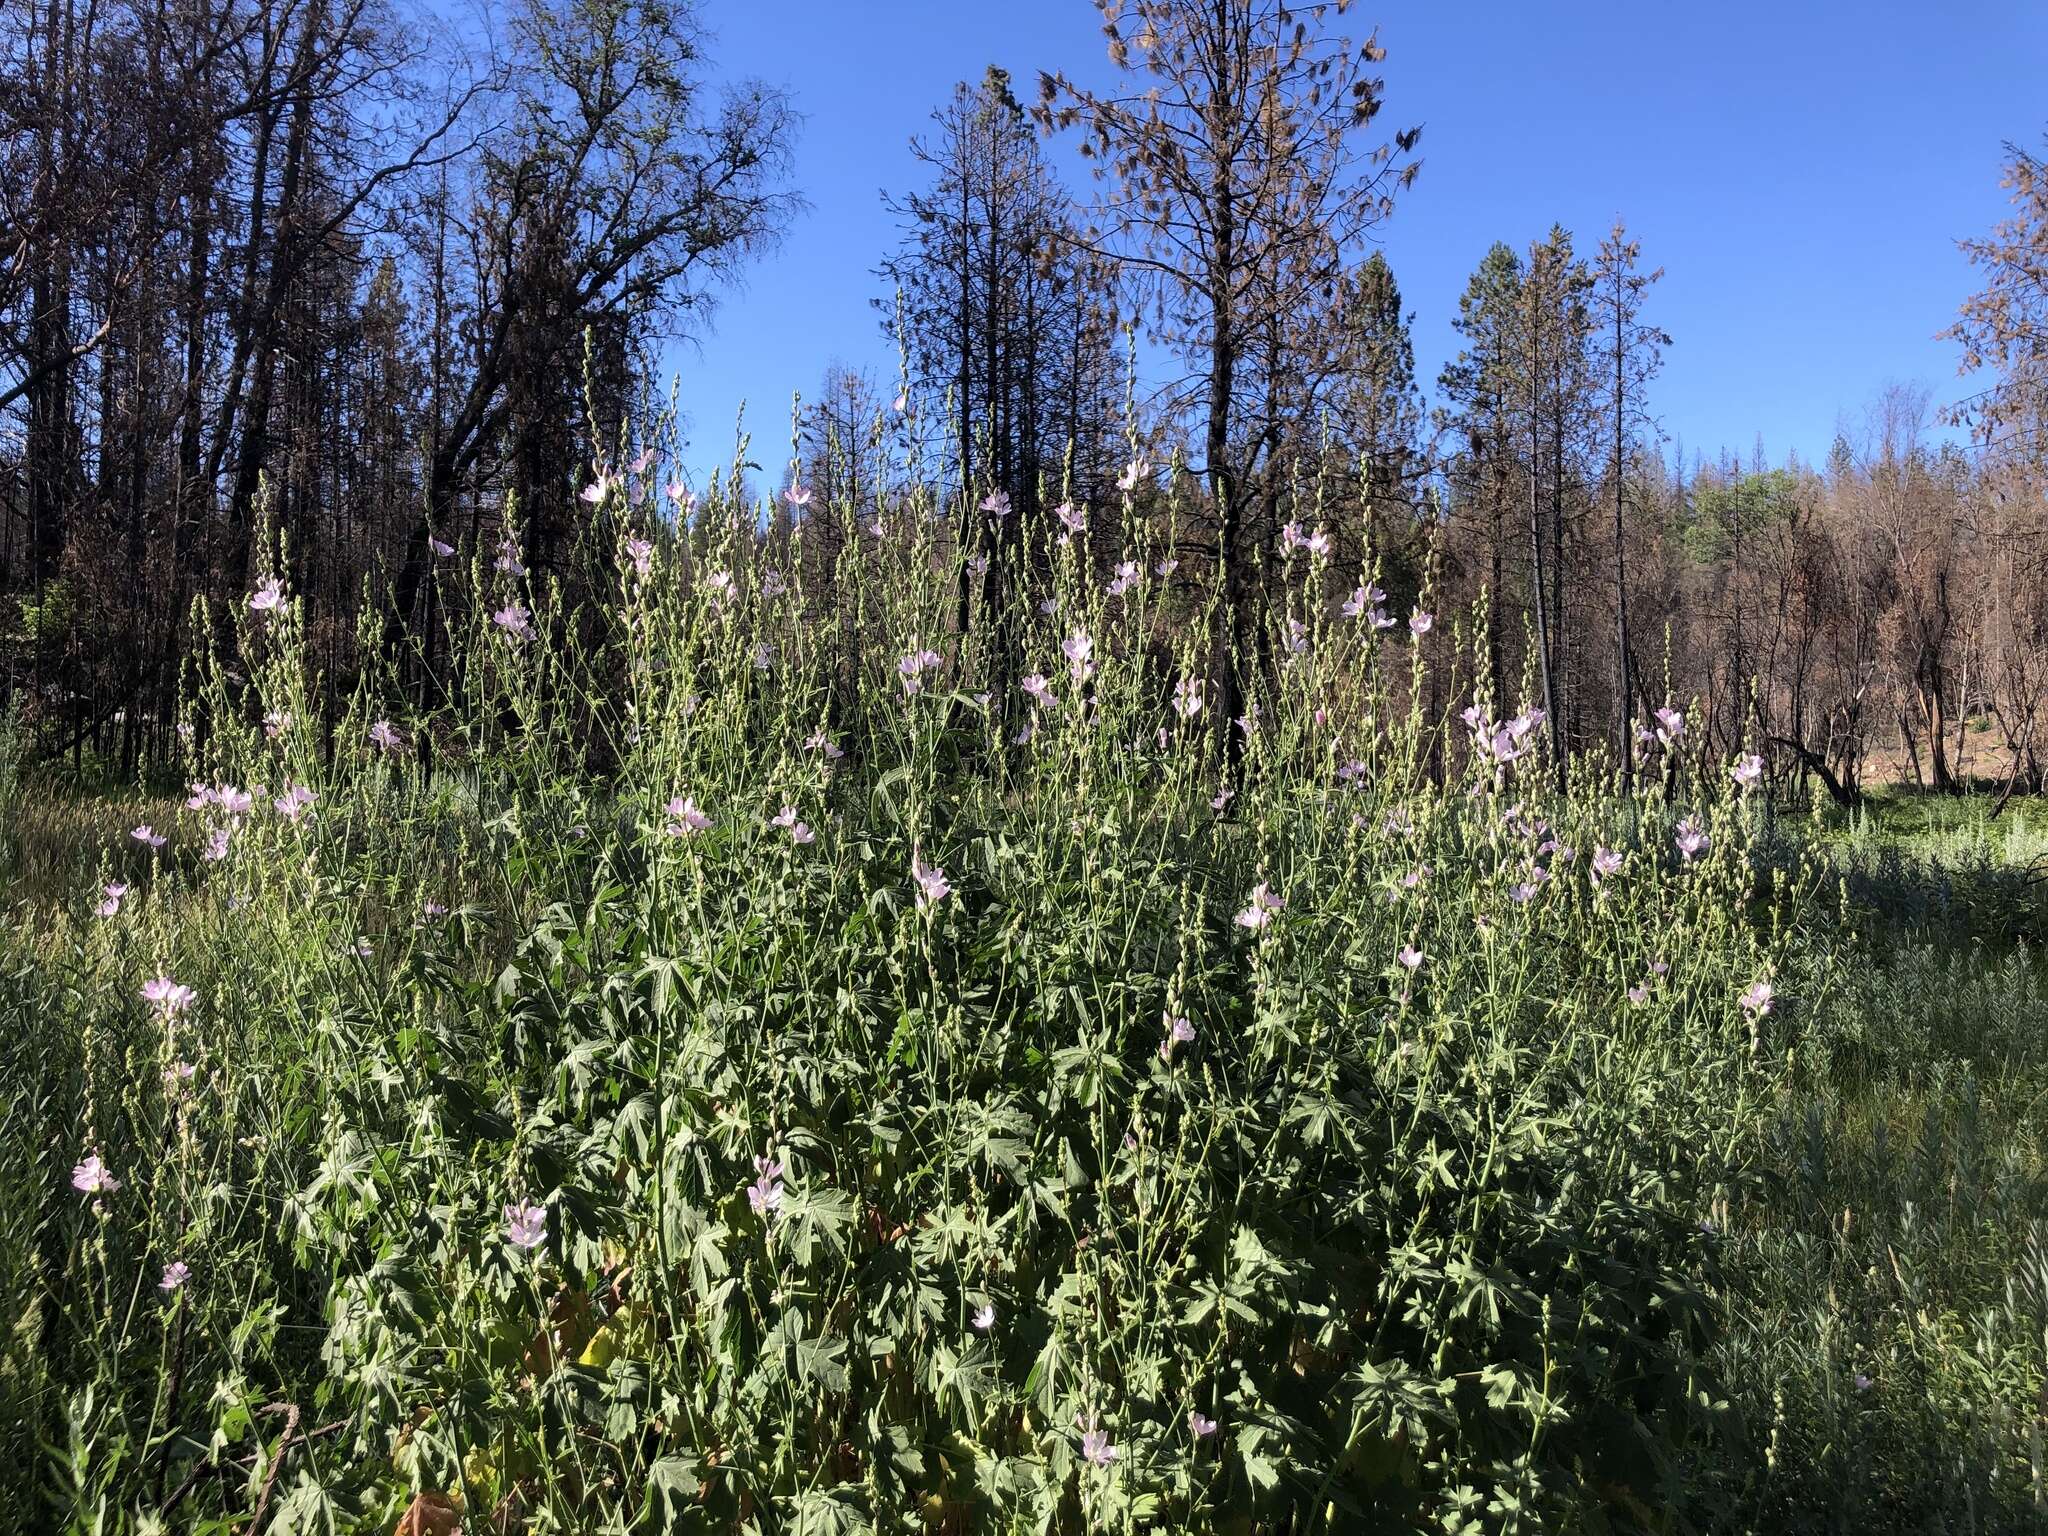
pixel 820 1039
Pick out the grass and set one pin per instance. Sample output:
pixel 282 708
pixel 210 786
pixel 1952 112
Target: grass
pixel 995 1126
pixel 1896 1312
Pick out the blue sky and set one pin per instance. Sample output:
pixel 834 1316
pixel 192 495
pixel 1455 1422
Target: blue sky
pixel 1801 170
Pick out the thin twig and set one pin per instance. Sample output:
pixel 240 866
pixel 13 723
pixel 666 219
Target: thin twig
pixel 284 1446
pixel 214 1468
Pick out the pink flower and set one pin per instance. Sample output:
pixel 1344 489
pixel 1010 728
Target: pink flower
pixel 1221 798
pixel 1747 770
pixel 931 881
pixel 641 553
pixel 798 831
pixel 1077 648
pixel 291 805
pixel 996 504
pixel 514 620
pixel 684 819
pixel 1264 907
pixel 201 798
pixel 1757 999
pixel 216 847
pixel 1165 567
pixel 148 836
pixel 1134 471
pixel 1071 517
pixel 1040 691
pixel 977 566
pixel 1670 726
pixel 110 901
pixel 818 741
pixel 1364 599
pixel 385 737
pixel 1187 697
pixel 441 550
pixel 170 997
pixel 1419 623
pixel 640 462
pixel 1639 995
pixel 526 1225
pixel 1410 957
pixel 798 494
pixel 276 723
pixel 236 802
pixel 914 664
pixel 1128 576
pixel 1178 1032
pixel 1201 1428
pixel 1691 838
pixel 1097 1447
pixel 508 558
pixel 269 597
pixel 594 492
pixel 1317 543
pixel 1500 745
pixel 176 1273
pixel 1606 862
pixel 901 403
pixel 773 584
pixel 765 1193
pixel 984 1317
pixel 91 1177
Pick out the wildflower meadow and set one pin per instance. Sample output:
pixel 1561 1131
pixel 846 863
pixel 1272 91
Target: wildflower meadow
pixel 812 1032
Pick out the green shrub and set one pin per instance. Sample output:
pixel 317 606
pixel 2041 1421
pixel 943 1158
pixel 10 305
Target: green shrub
pixel 838 1163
